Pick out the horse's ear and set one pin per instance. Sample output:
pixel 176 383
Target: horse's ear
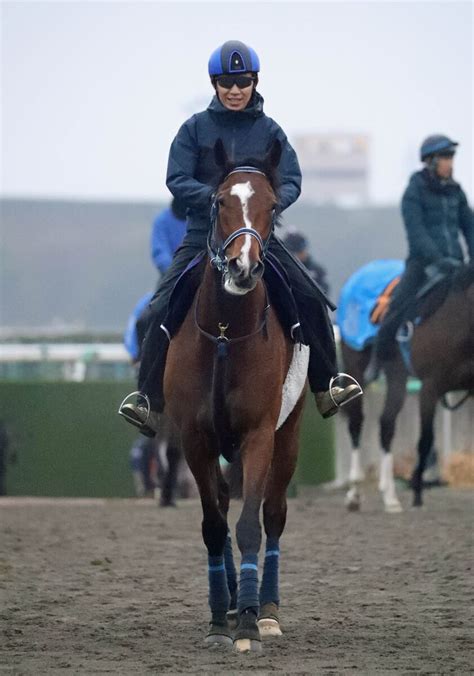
pixel 274 155
pixel 220 154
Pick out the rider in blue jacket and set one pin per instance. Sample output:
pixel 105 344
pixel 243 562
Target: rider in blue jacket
pixel 435 213
pixel 236 116
pixel 168 231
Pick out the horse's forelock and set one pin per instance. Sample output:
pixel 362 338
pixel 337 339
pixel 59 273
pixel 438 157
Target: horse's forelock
pixel 262 165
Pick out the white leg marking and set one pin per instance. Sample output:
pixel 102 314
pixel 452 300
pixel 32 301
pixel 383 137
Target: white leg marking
pixel 356 473
pixel 387 484
pixel 356 476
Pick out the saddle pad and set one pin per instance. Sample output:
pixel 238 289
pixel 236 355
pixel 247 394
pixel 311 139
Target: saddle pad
pixel 358 297
pixel 294 382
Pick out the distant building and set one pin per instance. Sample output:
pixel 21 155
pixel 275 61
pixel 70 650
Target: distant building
pixel 335 168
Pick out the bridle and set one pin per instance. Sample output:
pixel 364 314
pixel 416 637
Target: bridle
pixel 216 249
pixel 218 259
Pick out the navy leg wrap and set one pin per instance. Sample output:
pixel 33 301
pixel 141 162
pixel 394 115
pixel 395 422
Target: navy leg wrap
pixel 269 588
pixel 218 590
pixel 230 571
pixel 248 589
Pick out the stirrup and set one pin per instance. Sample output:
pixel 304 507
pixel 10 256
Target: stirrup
pixel 352 397
pixel 139 395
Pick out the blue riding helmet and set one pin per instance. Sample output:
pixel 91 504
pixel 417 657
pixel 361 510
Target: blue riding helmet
pixel 437 144
pixel 233 57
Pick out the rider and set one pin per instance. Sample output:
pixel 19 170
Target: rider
pixel 236 116
pixel 435 211
pixel 168 230
pixel 297 243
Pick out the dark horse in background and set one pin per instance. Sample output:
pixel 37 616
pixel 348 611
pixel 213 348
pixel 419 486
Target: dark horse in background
pixel 442 358
pixel 224 377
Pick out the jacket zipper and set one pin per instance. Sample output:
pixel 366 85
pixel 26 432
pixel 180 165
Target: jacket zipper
pixel 232 145
pixel 445 224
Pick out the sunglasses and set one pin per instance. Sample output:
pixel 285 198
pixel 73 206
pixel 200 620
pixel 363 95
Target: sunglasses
pixel 228 81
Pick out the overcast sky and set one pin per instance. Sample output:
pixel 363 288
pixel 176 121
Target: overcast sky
pixel 94 92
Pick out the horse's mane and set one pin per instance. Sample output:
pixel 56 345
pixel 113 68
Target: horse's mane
pixel 459 280
pixel 464 277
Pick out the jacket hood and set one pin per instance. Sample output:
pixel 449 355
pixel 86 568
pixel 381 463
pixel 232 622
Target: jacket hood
pixel 254 107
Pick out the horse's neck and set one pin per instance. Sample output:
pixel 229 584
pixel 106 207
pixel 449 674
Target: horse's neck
pixel 243 314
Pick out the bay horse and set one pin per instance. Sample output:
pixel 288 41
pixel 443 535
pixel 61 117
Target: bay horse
pixel 442 358
pixel 223 382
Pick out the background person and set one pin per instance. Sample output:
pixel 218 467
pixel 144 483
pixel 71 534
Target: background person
pixel 435 213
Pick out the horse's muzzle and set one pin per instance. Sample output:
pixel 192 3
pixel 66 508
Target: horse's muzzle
pixel 243 278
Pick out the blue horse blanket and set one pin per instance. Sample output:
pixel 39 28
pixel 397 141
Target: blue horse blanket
pixel 358 298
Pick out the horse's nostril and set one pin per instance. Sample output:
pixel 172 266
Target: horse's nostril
pixel 238 269
pixel 234 267
pixel 257 269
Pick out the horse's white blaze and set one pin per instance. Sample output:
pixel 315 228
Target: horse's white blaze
pixel 387 484
pixel 244 192
pixel 294 382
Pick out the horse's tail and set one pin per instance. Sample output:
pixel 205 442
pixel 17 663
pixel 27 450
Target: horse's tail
pixel 220 416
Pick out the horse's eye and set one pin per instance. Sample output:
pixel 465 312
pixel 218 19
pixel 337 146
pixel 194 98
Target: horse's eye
pixel 220 201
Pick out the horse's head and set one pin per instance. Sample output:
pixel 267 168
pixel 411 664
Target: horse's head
pixel 243 218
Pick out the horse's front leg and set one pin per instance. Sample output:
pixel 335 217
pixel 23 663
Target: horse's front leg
pixel 274 519
pixel 428 399
pixel 224 498
pixel 396 377
pixel 214 532
pixel 257 450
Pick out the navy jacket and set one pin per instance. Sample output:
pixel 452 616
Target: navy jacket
pixel 192 172
pixel 434 215
pixel 166 236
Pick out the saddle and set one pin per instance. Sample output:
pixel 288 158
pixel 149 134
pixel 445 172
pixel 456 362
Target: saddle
pixel 276 280
pixel 427 300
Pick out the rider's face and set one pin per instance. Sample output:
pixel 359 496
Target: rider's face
pixel 444 167
pixel 235 98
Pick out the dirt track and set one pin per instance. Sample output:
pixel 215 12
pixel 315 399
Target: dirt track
pixel 120 587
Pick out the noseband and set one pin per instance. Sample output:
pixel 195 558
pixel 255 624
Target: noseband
pixel 215 250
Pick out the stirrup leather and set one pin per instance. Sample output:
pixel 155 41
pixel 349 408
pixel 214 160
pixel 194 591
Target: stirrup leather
pixel 356 394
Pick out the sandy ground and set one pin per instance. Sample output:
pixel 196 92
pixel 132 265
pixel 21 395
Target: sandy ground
pixel 92 587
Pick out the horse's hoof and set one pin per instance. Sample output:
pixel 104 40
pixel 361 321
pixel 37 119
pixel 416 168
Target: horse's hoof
pixel 353 505
pixel 218 640
pixel 269 627
pixel 247 645
pixel 352 500
pixel 393 507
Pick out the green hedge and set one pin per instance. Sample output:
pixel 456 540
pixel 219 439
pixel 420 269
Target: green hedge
pixel 69 440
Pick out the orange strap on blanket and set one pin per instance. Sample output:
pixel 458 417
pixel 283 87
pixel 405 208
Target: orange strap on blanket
pixel 383 302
